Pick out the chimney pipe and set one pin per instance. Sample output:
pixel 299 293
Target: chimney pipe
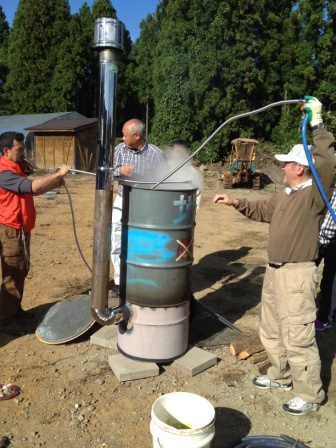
pixel 109 41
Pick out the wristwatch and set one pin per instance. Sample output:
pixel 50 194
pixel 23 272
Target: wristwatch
pixel 318 126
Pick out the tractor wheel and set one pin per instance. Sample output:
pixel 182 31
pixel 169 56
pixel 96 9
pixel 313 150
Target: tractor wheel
pixel 256 182
pixel 228 178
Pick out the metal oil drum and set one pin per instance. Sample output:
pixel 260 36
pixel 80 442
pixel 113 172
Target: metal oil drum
pixel 155 269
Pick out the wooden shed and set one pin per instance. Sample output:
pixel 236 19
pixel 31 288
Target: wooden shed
pixel 70 141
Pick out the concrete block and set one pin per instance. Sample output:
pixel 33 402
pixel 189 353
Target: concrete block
pixel 126 369
pixel 106 337
pixel 195 361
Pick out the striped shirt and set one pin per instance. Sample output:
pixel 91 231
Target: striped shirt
pixel 148 162
pixel 328 229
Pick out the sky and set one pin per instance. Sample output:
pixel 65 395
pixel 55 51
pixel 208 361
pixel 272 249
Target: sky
pixel 130 12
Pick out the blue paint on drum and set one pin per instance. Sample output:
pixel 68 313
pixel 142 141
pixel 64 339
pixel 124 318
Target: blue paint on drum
pixel 157 245
pixel 148 246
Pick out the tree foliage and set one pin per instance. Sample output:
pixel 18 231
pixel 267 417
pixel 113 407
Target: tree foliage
pixel 39 28
pixel 140 69
pixel 73 81
pixel 52 64
pixel 214 60
pixel 4 33
pixel 196 64
pixel 103 8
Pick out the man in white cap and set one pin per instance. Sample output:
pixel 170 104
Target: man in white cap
pixel 288 309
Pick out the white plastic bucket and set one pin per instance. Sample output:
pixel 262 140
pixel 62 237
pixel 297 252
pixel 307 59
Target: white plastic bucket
pixel 182 420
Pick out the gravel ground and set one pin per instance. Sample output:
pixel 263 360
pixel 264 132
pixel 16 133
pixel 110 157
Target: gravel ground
pixel 69 394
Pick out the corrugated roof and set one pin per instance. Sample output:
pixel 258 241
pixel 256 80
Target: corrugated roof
pixel 63 125
pixel 18 123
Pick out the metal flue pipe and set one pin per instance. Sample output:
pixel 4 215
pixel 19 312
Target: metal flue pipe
pixel 109 41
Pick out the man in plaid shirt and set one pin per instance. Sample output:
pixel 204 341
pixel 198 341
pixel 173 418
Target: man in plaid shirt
pixel 134 158
pixel 327 251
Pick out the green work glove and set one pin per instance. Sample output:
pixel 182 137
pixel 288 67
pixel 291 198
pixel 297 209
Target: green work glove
pixel 314 110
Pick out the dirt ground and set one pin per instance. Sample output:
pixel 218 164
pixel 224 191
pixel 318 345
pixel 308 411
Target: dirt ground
pixel 69 394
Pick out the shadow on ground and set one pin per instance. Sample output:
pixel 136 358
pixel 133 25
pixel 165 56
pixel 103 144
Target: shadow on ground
pixel 233 290
pixel 230 426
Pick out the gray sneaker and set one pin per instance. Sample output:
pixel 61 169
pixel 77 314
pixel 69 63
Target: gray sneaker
pixel 262 382
pixel 299 407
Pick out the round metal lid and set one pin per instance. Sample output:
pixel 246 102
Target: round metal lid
pixel 66 320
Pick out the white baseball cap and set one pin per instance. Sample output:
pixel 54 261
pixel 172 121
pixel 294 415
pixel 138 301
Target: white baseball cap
pixel 296 154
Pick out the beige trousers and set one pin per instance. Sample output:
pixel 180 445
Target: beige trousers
pixel 287 331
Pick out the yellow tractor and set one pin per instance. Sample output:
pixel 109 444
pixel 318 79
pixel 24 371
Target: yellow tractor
pixel 242 172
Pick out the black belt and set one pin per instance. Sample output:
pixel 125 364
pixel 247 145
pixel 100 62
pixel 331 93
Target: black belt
pixel 276 265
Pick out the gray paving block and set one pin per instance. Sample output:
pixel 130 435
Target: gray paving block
pixel 126 369
pixel 106 337
pixel 195 361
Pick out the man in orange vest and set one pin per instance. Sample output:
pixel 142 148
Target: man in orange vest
pixel 17 219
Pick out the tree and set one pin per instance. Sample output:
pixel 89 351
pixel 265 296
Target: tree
pixel 298 54
pixel 214 60
pixel 326 61
pixel 52 62
pixel 170 71
pixel 307 61
pixel 39 28
pixel 127 104
pixel 196 64
pixel 75 75
pixel 4 33
pixel 104 8
pixel 142 58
